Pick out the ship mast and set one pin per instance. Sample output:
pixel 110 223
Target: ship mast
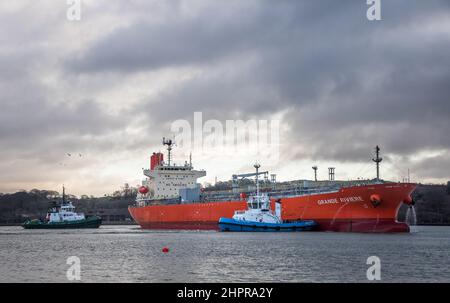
pixel 377 160
pixel 169 144
pixel 257 166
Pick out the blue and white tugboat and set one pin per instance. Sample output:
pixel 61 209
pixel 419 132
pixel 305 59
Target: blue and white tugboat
pixel 259 216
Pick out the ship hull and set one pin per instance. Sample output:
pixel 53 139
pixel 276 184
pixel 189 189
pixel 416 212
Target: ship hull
pixel 350 209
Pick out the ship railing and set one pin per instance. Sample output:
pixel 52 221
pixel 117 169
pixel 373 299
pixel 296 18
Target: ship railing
pixel 228 196
pixel 273 193
pixel 302 192
pixel 148 201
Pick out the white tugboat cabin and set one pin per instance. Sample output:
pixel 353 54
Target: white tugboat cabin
pixel 65 213
pixel 259 211
pixel 259 208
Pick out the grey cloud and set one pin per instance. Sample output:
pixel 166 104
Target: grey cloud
pixel 436 167
pixel 40 118
pixel 349 84
pixel 219 30
pixel 345 83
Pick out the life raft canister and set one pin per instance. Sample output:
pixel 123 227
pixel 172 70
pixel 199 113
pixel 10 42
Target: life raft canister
pixel 143 190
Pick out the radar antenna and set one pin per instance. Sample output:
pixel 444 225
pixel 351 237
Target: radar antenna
pixel 169 144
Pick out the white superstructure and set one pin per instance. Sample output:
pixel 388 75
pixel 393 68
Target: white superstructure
pixel 167 180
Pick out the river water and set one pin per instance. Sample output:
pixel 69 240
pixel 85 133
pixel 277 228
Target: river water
pixel 129 254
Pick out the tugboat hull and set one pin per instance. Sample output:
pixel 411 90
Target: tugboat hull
pixel 226 224
pixel 89 222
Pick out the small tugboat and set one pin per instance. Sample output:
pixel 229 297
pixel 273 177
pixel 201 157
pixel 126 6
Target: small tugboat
pixel 259 217
pixel 64 216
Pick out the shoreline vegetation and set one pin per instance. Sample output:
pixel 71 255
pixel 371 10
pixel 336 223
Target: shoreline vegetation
pixel 432 205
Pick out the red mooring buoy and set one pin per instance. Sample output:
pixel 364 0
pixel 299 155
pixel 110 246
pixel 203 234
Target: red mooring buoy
pixel 165 250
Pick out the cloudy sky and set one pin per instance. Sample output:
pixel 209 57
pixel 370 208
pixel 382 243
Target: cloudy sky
pixel 107 88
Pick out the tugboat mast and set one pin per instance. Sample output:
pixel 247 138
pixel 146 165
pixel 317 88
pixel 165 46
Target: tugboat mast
pixel 377 160
pixel 257 166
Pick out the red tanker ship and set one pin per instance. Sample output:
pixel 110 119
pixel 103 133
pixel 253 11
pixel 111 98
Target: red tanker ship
pixel 170 198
